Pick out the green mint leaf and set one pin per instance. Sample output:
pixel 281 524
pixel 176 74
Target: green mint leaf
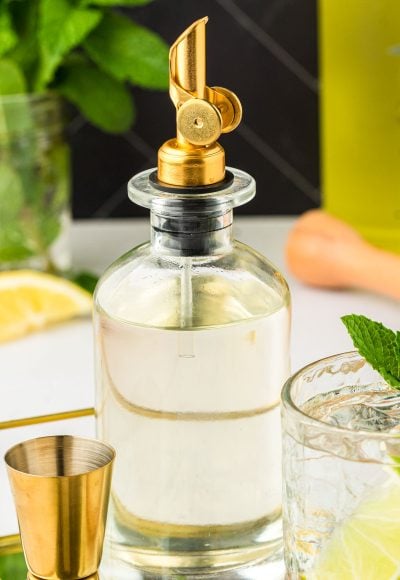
pixel 379 345
pixel 13 567
pixel 16 117
pixel 85 280
pixel 59 159
pixel 26 52
pixel 14 244
pixel 11 194
pixel 12 80
pixel 128 51
pixel 62 27
pixel 13 251
pixel 8 37
pixel 48 228
pixel 106 102
pixel 51 189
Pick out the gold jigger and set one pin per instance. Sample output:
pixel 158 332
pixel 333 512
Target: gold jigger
pixel 61 487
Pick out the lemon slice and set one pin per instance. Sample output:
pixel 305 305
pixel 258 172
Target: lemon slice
pixel 31 300
pixel 367 545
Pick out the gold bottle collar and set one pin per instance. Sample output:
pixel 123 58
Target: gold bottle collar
pixel 195 158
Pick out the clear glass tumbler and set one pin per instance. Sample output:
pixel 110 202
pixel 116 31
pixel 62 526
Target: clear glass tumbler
pixel 341 448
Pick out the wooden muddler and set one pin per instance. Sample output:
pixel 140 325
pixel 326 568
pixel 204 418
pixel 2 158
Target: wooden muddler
pixel 324 251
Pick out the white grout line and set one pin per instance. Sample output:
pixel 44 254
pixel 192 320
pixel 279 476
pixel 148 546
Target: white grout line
pixel 270 44
pixel 251 137
pixel 140 145
pixel 110 203
pixel 118 196
pixel 114 200
pixel 279 162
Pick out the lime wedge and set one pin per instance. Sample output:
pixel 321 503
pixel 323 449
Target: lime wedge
pixel 367 545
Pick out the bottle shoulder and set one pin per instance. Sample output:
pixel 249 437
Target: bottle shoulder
pixel 240 257
pixel 146 287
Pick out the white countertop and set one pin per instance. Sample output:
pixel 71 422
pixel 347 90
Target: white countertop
pixel 52 371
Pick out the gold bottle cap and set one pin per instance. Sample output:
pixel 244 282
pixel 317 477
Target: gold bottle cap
pixel 195 158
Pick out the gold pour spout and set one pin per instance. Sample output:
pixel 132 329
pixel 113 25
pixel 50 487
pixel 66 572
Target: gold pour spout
pixel 194 158
pixel 187 61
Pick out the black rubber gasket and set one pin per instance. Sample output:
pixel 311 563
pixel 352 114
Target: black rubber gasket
pixel 214 187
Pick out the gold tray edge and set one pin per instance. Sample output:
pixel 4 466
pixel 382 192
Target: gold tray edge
pixel 13 423
pixel 10 545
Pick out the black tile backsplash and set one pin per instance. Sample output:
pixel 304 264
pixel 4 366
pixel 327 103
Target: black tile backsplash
pixel 266 51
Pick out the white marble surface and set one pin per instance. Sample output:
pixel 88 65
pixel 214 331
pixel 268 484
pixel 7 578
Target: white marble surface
pixel 52 371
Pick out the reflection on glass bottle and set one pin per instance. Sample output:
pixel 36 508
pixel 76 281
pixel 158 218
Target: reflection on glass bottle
pixel 192 335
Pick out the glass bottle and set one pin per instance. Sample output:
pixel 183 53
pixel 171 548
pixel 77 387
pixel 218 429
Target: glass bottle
pixel 360 108
pixel 192 332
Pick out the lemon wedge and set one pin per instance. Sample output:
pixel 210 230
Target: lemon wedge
pixel 367 545
pixel 31 300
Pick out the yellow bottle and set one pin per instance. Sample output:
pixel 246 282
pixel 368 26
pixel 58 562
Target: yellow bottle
pixel 360 115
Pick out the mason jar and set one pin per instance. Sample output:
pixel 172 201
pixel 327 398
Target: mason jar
pixel 34 184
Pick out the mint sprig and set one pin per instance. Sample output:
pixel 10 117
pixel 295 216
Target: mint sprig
pixel 379 345
pixel 90 54
pixel 12 566
pixel 85 50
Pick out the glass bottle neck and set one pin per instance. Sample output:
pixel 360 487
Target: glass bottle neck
pixel 190 235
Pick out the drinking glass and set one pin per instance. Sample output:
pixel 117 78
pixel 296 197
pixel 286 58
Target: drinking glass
pixel 341 448
pixel 34 184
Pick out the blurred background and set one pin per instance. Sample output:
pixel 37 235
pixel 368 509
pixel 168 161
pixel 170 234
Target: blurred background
pixel 319 82
pixel 265 51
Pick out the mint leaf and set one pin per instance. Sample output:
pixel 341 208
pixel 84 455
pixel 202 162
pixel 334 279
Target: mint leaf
pixel 12 80
pixel 49 228
pixel 11 194
pixel 379 345
pixel 8 37
pixel 59 159
pixel 16 118
pixel 14 244
pixel 26 51
pixel 102 99
pixel 62 27
pixel 13 567
pixel 51 189
pixel 128 51
pixel 14 250
pixel 85 280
